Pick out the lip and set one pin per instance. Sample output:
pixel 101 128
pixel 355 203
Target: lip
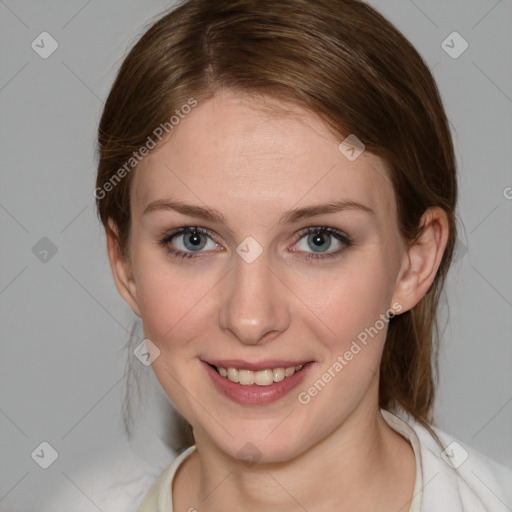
pixel 268 364
pixel 254 394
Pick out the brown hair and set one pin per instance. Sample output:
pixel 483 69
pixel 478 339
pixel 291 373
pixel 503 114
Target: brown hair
pixel 343 61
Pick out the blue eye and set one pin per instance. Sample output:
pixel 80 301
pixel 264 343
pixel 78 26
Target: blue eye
pixel 320 240
pixel 192 240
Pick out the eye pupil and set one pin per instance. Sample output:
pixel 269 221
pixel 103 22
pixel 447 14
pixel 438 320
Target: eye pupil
pixel 193 240
pixel 319 240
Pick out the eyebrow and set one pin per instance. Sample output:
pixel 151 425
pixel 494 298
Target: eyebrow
pixel 289 217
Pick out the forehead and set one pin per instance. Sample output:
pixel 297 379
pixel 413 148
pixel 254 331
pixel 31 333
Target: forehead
pixel 248 152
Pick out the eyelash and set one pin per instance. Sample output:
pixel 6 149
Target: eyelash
pixel 339 235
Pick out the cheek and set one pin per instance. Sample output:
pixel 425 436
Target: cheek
pixel 174 313
pixel 349 300
pixel 353 310
pixel 171 300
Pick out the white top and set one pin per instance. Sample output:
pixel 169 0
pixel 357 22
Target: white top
pixel 458 479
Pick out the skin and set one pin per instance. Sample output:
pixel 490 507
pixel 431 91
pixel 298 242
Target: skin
pixel 248 159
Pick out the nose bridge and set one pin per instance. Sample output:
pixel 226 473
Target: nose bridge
pixel 253 304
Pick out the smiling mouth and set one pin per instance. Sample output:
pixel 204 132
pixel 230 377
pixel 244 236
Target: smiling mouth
pixel 259 377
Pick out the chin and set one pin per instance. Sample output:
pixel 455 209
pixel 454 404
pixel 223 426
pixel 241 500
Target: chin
pixel 254 445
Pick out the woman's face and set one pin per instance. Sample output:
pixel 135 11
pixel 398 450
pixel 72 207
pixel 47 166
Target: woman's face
pixel 253 289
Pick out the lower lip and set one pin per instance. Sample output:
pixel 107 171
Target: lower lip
pixel 254 394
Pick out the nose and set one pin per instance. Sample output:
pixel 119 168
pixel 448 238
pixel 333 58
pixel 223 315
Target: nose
pixel 254 306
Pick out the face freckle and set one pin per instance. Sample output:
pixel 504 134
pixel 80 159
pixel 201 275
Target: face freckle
pixel 250 294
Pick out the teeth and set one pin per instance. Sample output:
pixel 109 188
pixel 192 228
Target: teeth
pixel 260 378
pixel 245 377
pixel 233 374
pixel 263 377
pixel 279 374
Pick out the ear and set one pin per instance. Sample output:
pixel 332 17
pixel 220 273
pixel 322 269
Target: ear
pixel 422 259
pixel 121 268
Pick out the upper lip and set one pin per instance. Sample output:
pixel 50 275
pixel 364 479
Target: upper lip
pixel 268 364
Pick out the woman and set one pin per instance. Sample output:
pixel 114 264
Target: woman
pixel 278 188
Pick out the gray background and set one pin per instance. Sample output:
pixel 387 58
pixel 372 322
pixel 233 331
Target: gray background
pixel 63 326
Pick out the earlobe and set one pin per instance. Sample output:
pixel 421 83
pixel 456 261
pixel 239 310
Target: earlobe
pixel 422 259
pixel 121 269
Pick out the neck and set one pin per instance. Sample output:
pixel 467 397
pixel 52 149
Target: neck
pixel 362 465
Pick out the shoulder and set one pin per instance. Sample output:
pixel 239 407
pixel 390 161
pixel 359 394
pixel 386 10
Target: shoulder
pixel 159 496
pixel 118 484
pixel 460 478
